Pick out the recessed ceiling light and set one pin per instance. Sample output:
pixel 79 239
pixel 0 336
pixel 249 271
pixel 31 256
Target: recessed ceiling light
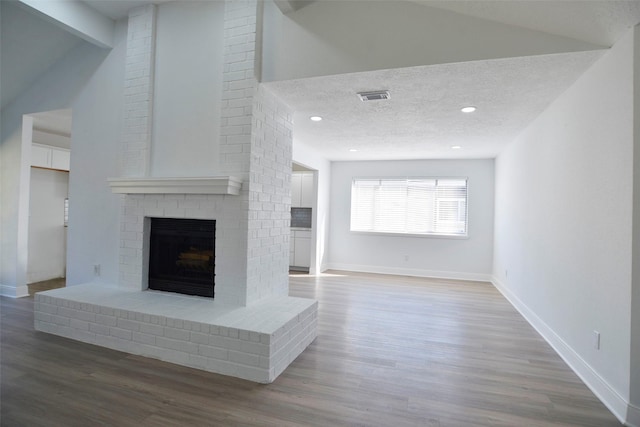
pixel 456 147
pixel 315 118
pixel 469 109
pixel 353 150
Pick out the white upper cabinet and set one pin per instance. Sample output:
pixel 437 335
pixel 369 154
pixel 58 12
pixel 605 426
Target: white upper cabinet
pixel 45 156
pixel 60 159
pixel 40 156
pixel 306 193
pixel 296 189
pixel 302 189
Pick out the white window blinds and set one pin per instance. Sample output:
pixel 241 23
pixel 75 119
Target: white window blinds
pixel 410 205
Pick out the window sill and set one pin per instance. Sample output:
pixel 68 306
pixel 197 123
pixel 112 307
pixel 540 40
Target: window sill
pixel 428 236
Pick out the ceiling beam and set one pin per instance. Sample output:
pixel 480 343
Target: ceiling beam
pixel 77 18
pixel 288 6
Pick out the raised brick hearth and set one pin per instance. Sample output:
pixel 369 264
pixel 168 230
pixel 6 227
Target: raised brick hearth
pixel 255 343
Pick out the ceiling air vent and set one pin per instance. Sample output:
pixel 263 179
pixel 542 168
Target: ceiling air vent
pixel 375 95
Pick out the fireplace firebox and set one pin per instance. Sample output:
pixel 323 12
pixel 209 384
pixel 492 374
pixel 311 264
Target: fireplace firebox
pixel 182 256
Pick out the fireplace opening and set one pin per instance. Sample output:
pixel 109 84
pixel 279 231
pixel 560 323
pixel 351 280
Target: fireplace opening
pixel 182 256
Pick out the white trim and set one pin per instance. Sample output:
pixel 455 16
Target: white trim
pixel 418 235
pixel 204 185
pixel 14 291
pixel 598 385
pixel 396 271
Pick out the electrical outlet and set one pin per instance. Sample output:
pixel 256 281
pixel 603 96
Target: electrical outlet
pixel 96 269
pixel 596 340
pixel 406 258
pixel 506 273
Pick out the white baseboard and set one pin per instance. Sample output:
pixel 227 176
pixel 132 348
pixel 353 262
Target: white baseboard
pixel 611 399
pixel 633 416
pixel 14 291
pixel 410 272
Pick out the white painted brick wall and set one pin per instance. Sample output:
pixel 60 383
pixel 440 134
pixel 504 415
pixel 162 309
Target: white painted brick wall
pixel 269 198
pixel 239 86
pixel 252 241
pixel 138 94
pixel 242 353
pixel 230 263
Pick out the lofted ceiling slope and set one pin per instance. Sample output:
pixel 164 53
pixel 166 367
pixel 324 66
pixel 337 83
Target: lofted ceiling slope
pixel 600 22
pixel 30 45
pixel 422 119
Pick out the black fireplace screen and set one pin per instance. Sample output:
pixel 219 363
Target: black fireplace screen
pixel 182 256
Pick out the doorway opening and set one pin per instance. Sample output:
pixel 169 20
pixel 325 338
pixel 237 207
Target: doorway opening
pixel 303 211
pixel 49 145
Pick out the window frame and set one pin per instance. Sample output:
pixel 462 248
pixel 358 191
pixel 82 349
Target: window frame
pixel 454 236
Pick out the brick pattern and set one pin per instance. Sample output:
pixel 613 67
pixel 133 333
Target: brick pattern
pixel 242 353
pixel 292 339
pixel 230 237
pixel 138 92
pixel 255 145
pixel 269 198
pixel 239 86
pixel 230 212
pixel 238 91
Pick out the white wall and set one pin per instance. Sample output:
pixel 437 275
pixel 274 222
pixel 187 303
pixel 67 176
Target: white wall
pixel 427 256
pixel 14 224
pixel 562 250
pixel 47 233
pixel 93 233
pixel 335 37
pixel 188 85
pixel 634 414
pixel 48 138
pixel 311 159
pixel 54 90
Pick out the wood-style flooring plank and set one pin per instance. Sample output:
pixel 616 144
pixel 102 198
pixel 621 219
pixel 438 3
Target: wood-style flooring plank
pixel 391 351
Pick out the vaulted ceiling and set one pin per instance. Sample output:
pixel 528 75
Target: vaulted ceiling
pixel 422 119
pixel 599 22
pixel 30 45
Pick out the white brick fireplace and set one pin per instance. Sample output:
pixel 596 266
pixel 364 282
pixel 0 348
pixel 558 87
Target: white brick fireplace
pixel 254 340
pixel 213 198
pixel 252 329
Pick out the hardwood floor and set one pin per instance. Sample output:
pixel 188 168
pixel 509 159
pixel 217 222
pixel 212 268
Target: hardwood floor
pixel 46 285
pixel 391 351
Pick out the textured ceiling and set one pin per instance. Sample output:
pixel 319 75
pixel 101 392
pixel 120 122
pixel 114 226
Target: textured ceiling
pixel 422 120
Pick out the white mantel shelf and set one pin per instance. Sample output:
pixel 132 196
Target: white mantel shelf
pixel 202 185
